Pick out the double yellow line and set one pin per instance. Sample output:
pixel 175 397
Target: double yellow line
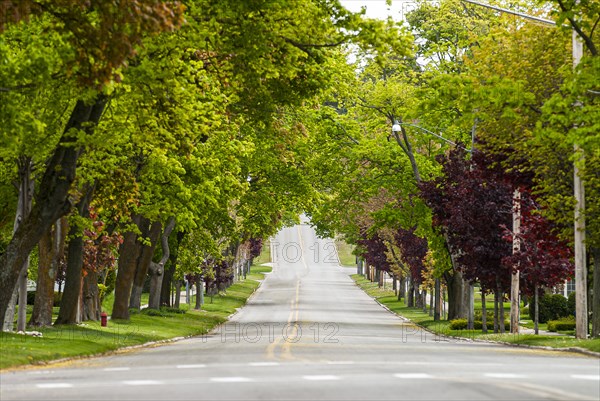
pixel 288 338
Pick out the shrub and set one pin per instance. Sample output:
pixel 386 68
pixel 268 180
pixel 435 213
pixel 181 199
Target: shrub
pixel 168 309
pixel 552 307
pixel 571 303
pixel 55 302
pixel 458 324
pixel 525 311
pixel 461 324
pixel 564 324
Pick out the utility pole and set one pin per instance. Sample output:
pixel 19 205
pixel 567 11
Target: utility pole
pixel 581 310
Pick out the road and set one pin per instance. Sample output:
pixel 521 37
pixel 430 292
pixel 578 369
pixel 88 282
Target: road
pixel 310 333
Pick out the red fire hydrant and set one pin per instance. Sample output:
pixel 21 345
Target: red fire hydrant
pixel 103 319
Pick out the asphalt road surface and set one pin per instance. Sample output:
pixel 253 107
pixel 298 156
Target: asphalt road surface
pixel 310 333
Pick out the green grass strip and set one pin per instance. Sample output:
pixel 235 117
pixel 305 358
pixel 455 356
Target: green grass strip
pixel 90 338
pixel 416 315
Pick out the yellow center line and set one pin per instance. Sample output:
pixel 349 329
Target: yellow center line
pixel 290 336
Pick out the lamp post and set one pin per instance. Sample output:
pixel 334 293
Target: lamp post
pixel 397 128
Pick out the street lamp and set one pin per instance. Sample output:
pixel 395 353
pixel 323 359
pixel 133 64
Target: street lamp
pixel 397 128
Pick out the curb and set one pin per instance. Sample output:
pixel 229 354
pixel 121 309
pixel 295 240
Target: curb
pixel 150 344
pixel 577 350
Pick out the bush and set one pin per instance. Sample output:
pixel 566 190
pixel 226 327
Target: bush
pixel 565 324
pixel 525 311
pixel 571 303
pixel 552 307
pixel 169 309
pixel 461 324
pixel 31 298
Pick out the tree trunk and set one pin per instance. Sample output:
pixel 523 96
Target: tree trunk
pixel 470 304
pixel 51 251
pixel 70 312
pixel 514 281
pixel 596 293
pixel 411 293
pixel 431 302
pixel 128 256
pixel 177 294
pixel 402 290
pixel 483 312
pixel 91 297
pixel 536 314
pixel 199 292
pixel 438 300
pixel 143 263
pixel 496 310
pixel 424 301
pixel 18 293
pixel 501 308
pixel 52 199
pixel 157 269
pixel 457 307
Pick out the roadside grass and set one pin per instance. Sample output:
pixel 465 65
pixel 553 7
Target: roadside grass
pixel 90 338
pixel 416 315
pixel 345 253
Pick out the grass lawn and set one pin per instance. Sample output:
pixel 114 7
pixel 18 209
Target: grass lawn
pixel 387 298
pixel 90 338
pixel 345 253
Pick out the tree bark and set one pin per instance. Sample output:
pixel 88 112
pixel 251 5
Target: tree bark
pixel 128 256
pixel 91 297
pixel 70 304
pixel 199 291
pixel 496 310
pixel 157 269
pixel 52 200
pixel 18 294
pixel 438 300
pixel 514 282
pixel 596 295
pixel 536 312
pixel 177 294
pixel 143 263
pixel 167 284
pixel 483 312
pixel 51 251
pixel 456 296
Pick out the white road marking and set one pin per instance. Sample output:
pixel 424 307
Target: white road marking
pixel 54 385
pixel 115 369
pixel 264 364
pixel 196 366
pixel 413 376
pixel 586 377
pixel 230 379
pixel 340 362
pixel 321 377
pixel 141 382
pixel 504 376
